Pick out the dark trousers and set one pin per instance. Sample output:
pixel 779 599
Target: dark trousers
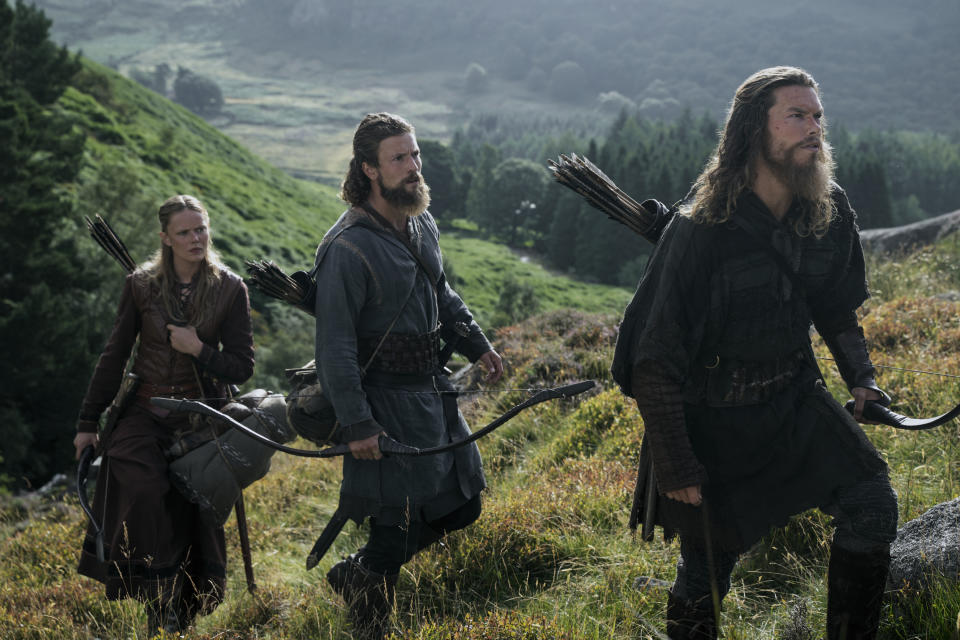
pixel 389 547
pixel 865 521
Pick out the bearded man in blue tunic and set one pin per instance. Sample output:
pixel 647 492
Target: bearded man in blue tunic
pixel 383 306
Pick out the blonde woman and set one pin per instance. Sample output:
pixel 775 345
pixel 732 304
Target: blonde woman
pixel 192 318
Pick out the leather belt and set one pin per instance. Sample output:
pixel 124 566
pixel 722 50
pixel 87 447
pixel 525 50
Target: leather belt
pixel 148 390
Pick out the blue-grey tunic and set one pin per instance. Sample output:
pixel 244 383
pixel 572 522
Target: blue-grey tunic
pixel 366 277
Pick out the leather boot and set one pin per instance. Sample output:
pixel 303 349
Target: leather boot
pixel 690 621
pixel 855 585
pixel 161 617
pixel 182 616
pixel 338 573
pixel 367 594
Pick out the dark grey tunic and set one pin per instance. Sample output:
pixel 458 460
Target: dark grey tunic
pixel 716 315
pixel 366 277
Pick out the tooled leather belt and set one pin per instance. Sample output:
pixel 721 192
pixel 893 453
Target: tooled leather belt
pixel 404 353
pixel 149 390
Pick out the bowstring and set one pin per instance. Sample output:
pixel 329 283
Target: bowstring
pixel 532 390
pixel 904 369
pixel 467 392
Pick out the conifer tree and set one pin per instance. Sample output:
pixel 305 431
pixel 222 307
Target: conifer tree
pixel 478 205
pixel 439 171
pixel 40 153
pixel 514 192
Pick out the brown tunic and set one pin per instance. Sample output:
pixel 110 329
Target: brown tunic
pixel 155 541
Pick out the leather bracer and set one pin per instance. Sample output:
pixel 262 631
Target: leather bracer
pixel 849 349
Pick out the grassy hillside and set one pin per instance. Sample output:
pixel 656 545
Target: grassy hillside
pixel 147 148
pixel 551 556
pixel 483 267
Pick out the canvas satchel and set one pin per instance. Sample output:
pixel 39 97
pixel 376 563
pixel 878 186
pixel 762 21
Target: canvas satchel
pixel 213 474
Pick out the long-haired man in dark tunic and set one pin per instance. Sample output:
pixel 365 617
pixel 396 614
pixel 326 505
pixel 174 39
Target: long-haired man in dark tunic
pixel 370 285
pixel 715 348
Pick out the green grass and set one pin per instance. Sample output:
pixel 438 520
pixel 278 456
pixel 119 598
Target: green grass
pixel 482 267
pixel 551 556
pixel 929 271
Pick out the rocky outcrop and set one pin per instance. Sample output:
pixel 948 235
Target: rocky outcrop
pixel 917 234
pixel 927 548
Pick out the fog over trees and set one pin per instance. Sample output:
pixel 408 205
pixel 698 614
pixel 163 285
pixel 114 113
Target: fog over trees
pixel 882 63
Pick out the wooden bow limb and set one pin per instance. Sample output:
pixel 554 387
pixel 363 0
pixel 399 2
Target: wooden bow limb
pixel 388 446
pixel 876 412
pixel 83 470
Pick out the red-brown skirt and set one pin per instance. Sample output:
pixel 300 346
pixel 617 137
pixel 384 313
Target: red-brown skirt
pixel 155 542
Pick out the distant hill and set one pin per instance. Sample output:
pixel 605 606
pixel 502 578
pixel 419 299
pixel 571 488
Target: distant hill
pixel 296 74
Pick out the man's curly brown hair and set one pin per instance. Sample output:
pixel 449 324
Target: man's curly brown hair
pixel 374 128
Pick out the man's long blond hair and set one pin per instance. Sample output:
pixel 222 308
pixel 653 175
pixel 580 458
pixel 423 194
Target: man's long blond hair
pixel 731 171
pixel 160 268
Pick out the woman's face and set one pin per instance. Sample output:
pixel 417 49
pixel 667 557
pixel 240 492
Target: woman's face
pixel 187 236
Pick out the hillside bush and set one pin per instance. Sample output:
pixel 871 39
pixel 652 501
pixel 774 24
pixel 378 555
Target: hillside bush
pixel 568 81
pixel 155 79
pixel 198 93
pixel 904 322
pixel 505 553
pixel 518 301
pixel 607 422
pixel 475 79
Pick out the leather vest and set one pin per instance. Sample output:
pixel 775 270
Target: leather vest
pixel 156 361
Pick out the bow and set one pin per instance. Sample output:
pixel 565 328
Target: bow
pixel 388 446
pixel 878 413
pixel 83 469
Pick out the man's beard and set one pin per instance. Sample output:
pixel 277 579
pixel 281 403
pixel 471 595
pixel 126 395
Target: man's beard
pixel 410 203
pixel 809 181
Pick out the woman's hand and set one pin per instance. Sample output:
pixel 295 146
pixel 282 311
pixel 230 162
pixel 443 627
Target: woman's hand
pixel 83 440
pixel 185 340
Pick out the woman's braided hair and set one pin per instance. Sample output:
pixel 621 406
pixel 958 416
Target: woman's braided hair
pixel 160 268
